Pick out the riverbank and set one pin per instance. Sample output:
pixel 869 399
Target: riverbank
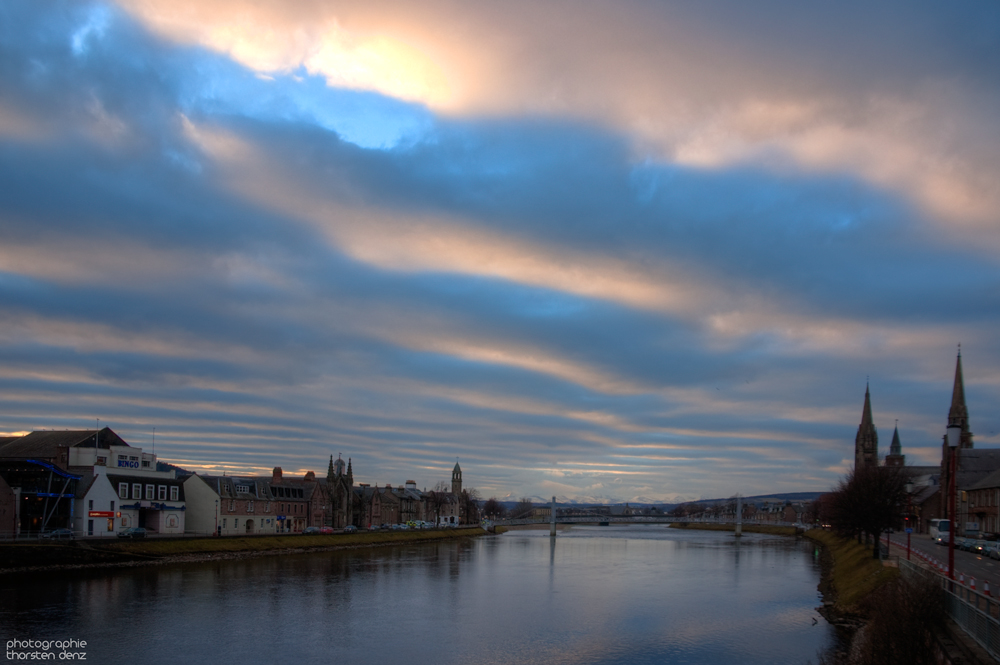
pixel 39 557
pixel 770 529
pixel 850 574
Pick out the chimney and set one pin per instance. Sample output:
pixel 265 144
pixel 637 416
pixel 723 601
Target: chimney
pixel 388 486
pixel 310 475
pixel 276 475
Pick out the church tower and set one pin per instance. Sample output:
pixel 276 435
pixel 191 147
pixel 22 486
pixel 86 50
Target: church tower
pixel 340 492
pixel 866 442
pixel 895 456
pixel 958 414
pixel 456 480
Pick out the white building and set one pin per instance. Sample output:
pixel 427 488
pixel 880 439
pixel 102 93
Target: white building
pixel 121 488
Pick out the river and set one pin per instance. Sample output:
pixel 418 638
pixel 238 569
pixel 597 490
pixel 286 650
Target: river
pixel 596 595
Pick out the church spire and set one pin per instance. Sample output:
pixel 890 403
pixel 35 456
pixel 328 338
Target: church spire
pixel 958 414
pixel 866 442
pixel 895 456
pixel 866 414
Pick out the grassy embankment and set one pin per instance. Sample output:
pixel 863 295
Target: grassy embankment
pixel 121 551
pixel 853 574
pixel 771 529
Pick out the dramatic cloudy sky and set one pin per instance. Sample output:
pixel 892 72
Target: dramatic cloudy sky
pixel 609 250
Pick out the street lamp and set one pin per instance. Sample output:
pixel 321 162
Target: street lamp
pixel 216 518
pixel 954 437
pixel 909 511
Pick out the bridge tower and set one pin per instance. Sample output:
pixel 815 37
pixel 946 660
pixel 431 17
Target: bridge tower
pixel 739 516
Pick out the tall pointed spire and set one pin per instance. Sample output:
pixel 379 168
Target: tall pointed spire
pixel 895 456
pixel 958 414
pixel 866 414
pixel 866 442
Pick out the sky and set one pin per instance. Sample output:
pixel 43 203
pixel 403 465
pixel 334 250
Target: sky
pixel 604 250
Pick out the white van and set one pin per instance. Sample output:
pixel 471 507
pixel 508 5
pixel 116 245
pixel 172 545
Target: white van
pixel 938 530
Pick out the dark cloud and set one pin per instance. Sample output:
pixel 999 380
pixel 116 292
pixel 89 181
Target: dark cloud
pixel 143 280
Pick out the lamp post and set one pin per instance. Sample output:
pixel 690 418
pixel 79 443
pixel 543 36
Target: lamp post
pixel 954 436
pixel 909 509
pixel 216 533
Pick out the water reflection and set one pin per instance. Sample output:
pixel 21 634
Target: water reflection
pixel 639 594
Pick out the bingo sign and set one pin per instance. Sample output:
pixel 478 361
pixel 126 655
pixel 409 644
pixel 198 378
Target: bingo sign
pixel 134 464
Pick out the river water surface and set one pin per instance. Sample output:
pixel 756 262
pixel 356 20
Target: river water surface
pixel 620 594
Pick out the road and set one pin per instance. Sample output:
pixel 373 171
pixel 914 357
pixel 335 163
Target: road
pixel 981 568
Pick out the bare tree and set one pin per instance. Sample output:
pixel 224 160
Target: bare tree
pixel 494 509
pixel 469 507
pixel 867 502
pixel 522 509
pixel 437 498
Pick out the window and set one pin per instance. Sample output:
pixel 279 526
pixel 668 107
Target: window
pixel 90 505
pixel 172 521
pixel 245 489
pixel 136 491
pixel 133 458
pixel 112 506
pixel 149 492
pixel 174 492
pixel 232 506
pixel 123 490
pixel 145 463
pixel 249 506
pixel 161 493
pixel 267 507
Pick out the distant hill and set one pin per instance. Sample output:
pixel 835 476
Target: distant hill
pixel 166 466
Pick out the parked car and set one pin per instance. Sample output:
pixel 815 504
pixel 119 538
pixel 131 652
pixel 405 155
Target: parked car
pixel 350 528
pixel 326 529
pixel 979 547
pixel 310 531
pixel 132 532
pixel 59 534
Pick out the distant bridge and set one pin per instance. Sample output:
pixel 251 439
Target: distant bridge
pixel 598 518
